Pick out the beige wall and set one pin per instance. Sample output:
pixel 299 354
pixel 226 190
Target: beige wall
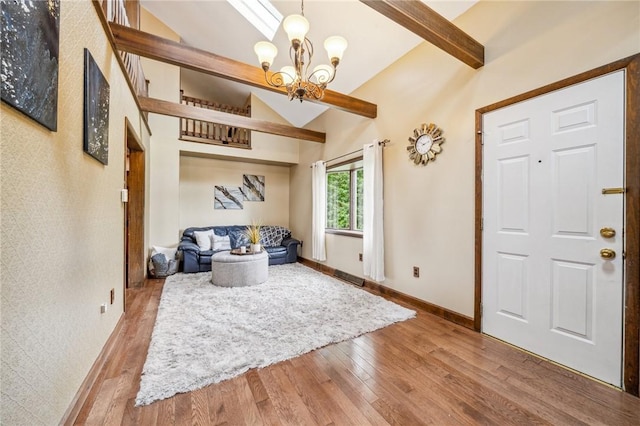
pixel 164 83
pixel 198 176
pixel 62 234
pixel 272 147
pixel 429 211
pixel 203 86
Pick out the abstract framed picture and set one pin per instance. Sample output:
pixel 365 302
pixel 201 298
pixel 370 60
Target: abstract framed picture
pixel 227 198
pixel 96 111
pixel 30 51
pixel 253 187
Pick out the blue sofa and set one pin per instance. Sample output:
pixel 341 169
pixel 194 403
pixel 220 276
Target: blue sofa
pixel 195 260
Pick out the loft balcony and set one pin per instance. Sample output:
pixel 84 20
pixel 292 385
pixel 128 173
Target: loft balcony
pixel 214 133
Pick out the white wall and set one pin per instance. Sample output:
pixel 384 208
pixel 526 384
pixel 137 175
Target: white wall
pixel 62 234
pixel 198 176
pixel 429 211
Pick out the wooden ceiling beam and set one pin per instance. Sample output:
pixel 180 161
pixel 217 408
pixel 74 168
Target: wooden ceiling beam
pixel 171 52
pixel 158 106
pixel 420 19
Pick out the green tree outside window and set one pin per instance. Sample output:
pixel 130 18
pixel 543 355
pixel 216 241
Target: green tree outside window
pixel 338 200
pixel 344 199
pixel 359 192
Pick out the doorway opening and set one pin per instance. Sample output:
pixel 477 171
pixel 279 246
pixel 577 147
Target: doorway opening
pixel 134 180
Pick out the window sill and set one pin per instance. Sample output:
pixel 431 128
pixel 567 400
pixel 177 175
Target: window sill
pixel 344 232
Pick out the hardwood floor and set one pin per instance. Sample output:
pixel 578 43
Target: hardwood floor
pixel 422 371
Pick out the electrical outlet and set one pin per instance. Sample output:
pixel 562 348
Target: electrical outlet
pixel 360 257
pixel 416 272
pixel 112 295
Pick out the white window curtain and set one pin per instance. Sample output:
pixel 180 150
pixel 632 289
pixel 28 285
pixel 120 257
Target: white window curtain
pixel 373 223
pixel 319 213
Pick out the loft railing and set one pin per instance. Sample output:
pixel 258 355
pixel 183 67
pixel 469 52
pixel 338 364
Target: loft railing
pixel 116 12
pixel 214 133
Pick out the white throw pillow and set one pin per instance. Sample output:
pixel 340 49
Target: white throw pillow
pixel 221 243
pixel 203 238
pixel 169 253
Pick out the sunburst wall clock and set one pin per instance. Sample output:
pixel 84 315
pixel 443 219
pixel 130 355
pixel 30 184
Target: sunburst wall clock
pixel 425 144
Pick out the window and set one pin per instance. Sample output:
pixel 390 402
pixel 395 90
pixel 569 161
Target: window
pixel 344 196
pixel 261 14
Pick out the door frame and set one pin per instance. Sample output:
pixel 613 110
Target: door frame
pixel 631 311
pixel 134 182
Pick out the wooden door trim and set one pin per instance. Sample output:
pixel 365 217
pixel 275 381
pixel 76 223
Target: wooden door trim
pixel 631 311
pixel 134 145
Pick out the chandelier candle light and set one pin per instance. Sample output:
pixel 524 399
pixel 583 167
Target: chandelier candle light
pixel 298 82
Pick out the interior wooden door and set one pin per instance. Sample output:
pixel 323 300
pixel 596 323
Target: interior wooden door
pixel 134 216
pixel 550 282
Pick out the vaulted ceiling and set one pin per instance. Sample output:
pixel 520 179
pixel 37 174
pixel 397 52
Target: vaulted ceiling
pixel 375 42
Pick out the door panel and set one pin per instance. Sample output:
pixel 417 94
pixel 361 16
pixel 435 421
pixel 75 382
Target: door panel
pixel 573 186
pixel 574 117
pixel 572 299
pixel 513 195
pixel 546 287
pixel 135 220
pixel 512 285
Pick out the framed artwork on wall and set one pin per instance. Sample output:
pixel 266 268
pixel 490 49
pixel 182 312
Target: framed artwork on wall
pixel 96 111
pixel 30 51
pixel 253 187
pixel 227 198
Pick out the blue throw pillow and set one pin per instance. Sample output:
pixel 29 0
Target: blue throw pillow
pixel 238 239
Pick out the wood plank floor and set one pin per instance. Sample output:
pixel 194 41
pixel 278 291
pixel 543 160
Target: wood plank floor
pixel 422 371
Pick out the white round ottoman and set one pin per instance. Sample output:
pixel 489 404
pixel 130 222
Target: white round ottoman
pixel 232 270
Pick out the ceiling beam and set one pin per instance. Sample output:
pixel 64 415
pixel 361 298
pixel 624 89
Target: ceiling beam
pixel 420 19
pixel 171 52
pixel 159 106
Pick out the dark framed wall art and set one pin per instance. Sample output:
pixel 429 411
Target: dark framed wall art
pixel 30 43
pixel 96 111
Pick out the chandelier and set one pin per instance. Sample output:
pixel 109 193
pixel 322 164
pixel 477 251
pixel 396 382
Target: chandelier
pixel 296 77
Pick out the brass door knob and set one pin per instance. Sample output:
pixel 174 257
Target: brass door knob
pixel 606 253
pixel 608 232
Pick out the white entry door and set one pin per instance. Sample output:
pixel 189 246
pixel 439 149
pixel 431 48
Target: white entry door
pixel 546 285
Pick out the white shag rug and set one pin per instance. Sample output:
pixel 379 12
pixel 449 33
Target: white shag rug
pixel 205 334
